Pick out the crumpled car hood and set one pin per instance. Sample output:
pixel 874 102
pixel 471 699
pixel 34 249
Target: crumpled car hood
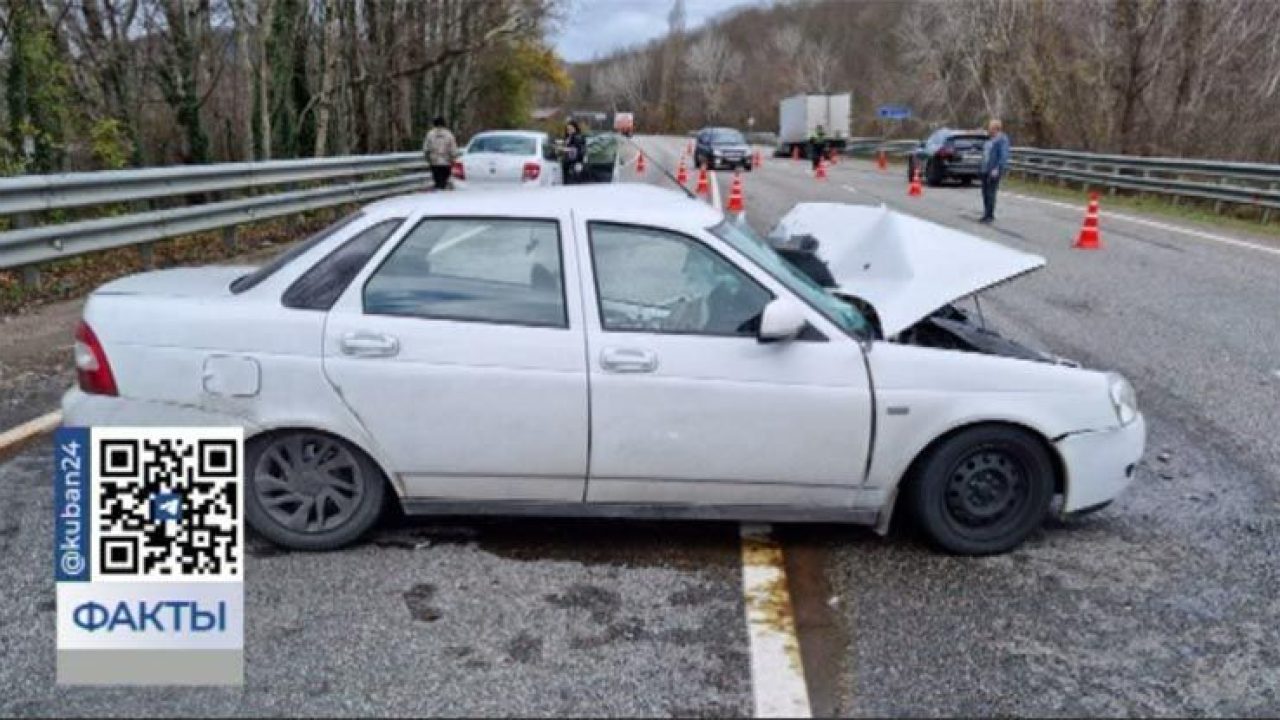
pixel 904 266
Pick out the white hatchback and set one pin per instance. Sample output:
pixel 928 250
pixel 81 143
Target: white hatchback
pixel 617 351
pixel 506 158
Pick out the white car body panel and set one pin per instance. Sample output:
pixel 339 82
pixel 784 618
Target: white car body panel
pixel 489 411
pixel 904 266
pixel 492 170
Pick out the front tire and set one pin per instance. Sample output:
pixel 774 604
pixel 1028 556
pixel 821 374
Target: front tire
pixel 308 490
pixel 982 491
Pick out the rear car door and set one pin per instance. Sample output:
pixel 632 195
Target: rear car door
pixel 461 351
pixel 687 406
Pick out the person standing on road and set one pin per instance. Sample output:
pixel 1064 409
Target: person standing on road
pixel 817 146
pixel 575 153
pixel 440 148
pixel 995 162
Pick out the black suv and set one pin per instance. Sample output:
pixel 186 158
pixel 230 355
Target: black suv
pixel 722 147
pixel 948 153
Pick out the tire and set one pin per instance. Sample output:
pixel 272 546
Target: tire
pixel 933 174
pixel 280 477
pixel 747 167
pixel 982 491
pixel 966 181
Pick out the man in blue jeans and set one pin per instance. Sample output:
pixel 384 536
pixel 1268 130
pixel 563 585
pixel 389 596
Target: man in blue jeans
pixel 995 162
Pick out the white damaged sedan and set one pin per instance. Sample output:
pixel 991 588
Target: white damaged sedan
pixel 616 351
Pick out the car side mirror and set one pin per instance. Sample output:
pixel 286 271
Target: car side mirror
pixel 783 319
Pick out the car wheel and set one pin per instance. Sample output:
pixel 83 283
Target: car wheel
pixel 982 491
pixel 933 173
pixel 966 181
pixel 748 167
pixel 308 490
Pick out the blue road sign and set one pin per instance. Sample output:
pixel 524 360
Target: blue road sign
pixel 894 112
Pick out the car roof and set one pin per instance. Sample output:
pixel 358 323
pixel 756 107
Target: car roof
pixel 622 202
pixel 517 133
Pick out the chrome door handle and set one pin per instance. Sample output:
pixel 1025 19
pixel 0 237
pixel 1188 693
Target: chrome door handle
pixel 628 360
pixel 366 344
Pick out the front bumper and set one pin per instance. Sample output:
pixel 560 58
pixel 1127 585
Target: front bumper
pixel 1100 464
pixel 80 409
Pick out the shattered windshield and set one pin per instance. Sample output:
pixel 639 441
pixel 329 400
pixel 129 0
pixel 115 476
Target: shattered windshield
pixel 744 240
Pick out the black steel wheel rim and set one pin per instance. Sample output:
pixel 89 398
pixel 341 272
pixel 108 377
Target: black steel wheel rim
pixel 987 489
pixel 308 483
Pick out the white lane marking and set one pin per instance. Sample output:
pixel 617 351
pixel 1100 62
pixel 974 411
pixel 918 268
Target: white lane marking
pixel 777 673
pixel 16 437
pixel 1155 224
pixel 715 189
pixel 850 188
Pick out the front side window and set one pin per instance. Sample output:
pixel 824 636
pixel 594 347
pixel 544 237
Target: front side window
pixel 651 280
pixel 474 269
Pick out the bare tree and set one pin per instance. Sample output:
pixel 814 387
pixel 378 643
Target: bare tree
pixel 713 66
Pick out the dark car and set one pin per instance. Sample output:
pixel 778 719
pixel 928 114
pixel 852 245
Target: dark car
pixel 948 154
pixel 722 147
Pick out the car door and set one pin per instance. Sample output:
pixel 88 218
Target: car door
pixel 687 406
pixel 551 171
pixel 461 351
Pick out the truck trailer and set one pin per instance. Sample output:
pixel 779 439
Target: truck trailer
pixel 799 117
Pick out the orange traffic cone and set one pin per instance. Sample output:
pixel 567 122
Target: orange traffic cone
pixel 1089 238
pixel 735 195
pixel 832 156
pixel 820 172
pixel 882 161
pixel 640 164
pixel 914 190
pixel 704 187
pixel 682 174
pixel 795 152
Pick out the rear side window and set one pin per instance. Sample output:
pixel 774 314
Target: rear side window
pixel 319 287
pixel 494 270
pixel 245 282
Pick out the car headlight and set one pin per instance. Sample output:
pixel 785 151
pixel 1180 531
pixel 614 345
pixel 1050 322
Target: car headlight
pixel 1123 398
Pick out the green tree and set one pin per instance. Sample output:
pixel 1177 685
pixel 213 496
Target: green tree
pixel 37 91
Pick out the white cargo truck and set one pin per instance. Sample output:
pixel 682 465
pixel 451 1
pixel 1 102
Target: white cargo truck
pixel 799 117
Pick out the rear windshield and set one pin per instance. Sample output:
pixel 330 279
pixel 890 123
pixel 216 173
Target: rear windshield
pixel 503 145
pixel 245 282
pixel 727 137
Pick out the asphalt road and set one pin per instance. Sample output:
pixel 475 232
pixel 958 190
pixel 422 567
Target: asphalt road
pixel 1167 603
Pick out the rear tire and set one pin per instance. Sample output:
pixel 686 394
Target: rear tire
pixel 982 491
pixel 308 490
pixel 933 174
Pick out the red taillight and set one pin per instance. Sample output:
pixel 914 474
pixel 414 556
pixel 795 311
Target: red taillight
pixel 945 152
pixel 92 370
pixel 531 171
pixel 458 171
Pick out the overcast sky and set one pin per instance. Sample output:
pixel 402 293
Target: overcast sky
pixel 596 27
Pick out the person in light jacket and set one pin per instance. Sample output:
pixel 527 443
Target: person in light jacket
pixel 995 163
pixel 440 148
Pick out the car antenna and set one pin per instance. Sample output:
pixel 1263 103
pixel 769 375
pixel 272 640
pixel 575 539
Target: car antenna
pixel 688 193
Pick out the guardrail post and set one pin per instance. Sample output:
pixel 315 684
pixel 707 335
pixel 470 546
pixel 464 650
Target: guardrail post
pixel 30 273
pixel 229 238
pixel 1217 204
pixel 1111 190
pixel 147 253
pixel 1266 211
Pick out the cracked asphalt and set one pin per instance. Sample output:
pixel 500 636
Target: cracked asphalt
pixel 1166 603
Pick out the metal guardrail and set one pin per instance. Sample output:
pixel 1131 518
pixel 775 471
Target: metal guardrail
pixel 29 243
pixel 1252 184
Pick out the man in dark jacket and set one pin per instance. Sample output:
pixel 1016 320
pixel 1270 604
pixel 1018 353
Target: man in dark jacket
pixel 575 153
pixel 817 146
pixel 995 163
